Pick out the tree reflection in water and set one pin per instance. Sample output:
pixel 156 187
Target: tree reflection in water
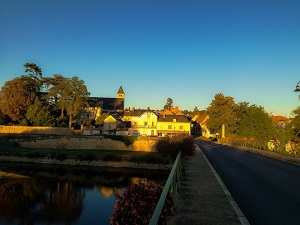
pixel 50 197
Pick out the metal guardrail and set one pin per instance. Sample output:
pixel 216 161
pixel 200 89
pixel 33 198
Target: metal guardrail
pixel 172 185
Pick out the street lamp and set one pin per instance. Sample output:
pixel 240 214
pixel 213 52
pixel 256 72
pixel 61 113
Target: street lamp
pixel 297 89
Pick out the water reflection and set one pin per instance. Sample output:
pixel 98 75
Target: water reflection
pixel 64 195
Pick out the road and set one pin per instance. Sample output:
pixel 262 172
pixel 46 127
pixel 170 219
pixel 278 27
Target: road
pixel 266 190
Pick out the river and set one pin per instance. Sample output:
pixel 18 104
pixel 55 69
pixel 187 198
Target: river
pixel 41 194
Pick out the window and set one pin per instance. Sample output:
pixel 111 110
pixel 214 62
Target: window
pixel 169 127
pixel 181 128
pixel 145 124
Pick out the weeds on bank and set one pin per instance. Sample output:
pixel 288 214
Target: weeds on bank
pixel 89 155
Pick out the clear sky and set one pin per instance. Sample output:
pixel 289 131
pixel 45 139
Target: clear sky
pixel 186 50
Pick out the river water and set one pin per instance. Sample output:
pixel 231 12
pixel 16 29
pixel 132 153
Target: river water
pixel 41 194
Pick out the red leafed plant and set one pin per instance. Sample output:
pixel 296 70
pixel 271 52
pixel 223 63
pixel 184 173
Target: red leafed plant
pixel 137 204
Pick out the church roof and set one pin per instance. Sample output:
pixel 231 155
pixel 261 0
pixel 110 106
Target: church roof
pixel 120 91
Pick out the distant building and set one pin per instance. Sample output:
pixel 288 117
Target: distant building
pixel 281 122
pixel 99 105
pixel 170 125
pixel 143 122
pixel 202 121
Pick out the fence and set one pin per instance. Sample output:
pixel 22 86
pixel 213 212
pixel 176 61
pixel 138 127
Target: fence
pixel 172 185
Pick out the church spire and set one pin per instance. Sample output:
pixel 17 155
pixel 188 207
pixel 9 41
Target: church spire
pixel 120 93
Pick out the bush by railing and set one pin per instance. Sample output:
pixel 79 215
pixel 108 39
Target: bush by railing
pixel 170 147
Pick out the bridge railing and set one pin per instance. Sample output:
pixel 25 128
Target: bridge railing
pixel 172 185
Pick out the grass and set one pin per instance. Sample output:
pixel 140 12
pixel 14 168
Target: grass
pixel 85 155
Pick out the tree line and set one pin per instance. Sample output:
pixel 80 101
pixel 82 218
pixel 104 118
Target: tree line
pixel 35 100
pixel 250 121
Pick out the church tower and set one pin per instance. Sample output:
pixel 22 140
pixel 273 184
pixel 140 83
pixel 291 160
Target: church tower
pixel 120 93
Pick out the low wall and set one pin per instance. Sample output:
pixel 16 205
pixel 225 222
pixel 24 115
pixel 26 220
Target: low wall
pixel 142 144
pixel 36 130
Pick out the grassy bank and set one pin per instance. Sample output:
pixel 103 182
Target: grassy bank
pixel 86 155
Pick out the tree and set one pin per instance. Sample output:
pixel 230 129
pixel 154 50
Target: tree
pixel 35 79
pixel 3 119
pixel 296 120
pixel 15 98
pixel 169 103
pixel 33 70
pixel 38 114
pixel 222 110
pixel 100 119
pixel 256 123
pixel 196 111
pixel 76 98
pixel 57 92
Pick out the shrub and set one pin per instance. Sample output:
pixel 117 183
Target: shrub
pixel 170 147
pixel 138 203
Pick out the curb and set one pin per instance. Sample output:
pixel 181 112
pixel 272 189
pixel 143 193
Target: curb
pixel 233 203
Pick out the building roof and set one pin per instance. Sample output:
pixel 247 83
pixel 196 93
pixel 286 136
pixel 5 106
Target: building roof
pixel 201 119
pixel 170 118
pixel 120 91
pixel 134 112
pixel 107 104
pixel 279 118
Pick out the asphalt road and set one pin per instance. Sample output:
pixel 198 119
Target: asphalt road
pixel 266 190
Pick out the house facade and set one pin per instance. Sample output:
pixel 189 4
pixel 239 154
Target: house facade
pixel 143 122
pixel 170 125
pixel 149 123
pixel 110 125
pixel 202 121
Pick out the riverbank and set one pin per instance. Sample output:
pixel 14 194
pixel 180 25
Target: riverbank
pixel 90 163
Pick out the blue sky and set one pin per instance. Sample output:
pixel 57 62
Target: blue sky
pixel 186 50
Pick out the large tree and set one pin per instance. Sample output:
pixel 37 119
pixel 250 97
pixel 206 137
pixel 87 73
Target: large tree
pixel 57 92
pixel 69 95
pixel 35 79
pixel 222 110
pixel 296 120
pixel 77 98
pixel 257 123
pixel 15 98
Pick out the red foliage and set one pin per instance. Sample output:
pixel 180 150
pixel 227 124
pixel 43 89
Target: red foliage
pixel 137 204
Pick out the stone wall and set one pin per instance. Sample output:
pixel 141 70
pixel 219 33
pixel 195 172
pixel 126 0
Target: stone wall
pixel 36 130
